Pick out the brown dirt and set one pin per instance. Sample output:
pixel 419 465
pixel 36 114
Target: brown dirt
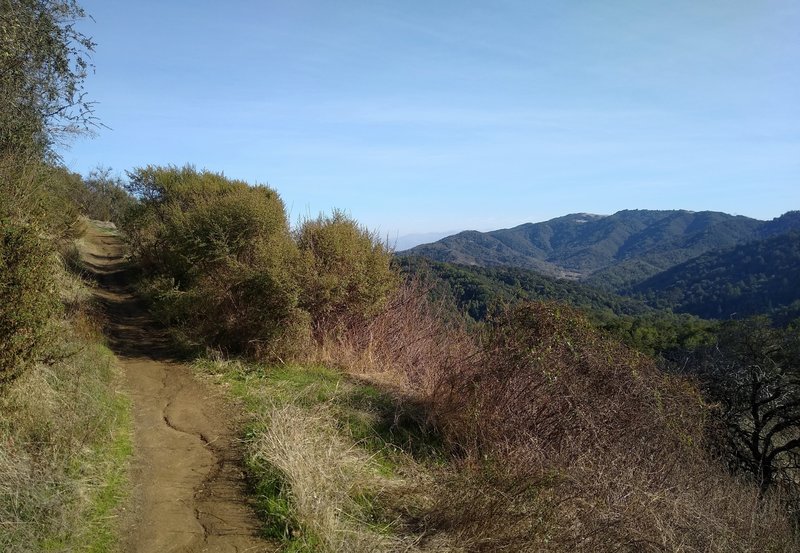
pixel 188 491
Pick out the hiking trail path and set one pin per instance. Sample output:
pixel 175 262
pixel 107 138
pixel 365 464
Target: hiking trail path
pixel 188 485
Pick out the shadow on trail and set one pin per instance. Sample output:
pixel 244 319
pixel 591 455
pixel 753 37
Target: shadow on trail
pixel 130 330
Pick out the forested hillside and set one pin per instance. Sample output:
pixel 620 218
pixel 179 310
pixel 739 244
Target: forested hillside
pixel 480 292
pixel 754 278
pixel 612 252
pixel 476 289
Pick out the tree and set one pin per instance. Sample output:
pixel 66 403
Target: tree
pixel 753 374
pixel 103 196
pixel 43 63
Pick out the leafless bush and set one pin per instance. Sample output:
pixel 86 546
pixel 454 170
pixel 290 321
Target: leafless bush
pixel 562 438
pixel 409 344
pixel 609 446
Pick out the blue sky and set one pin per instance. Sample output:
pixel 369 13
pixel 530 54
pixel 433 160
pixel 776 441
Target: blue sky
pixel 421 116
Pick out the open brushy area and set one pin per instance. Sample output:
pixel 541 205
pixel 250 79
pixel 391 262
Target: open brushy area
pixel 549 436
pixel 380 419
pixel 531 430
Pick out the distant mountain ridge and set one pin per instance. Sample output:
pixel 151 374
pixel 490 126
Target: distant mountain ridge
pixel 614 251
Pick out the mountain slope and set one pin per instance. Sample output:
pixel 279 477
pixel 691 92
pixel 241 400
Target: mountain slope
pixel 615 251
pixel 475 289
pixel 752 278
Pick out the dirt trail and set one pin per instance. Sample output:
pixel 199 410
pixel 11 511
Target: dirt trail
pixel 188 485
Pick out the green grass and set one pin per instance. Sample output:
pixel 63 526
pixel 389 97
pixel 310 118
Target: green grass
pixel 101 529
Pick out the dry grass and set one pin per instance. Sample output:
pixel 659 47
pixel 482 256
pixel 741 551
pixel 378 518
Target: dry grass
pixel 409 346
pixel 330 497
pixel 64 441
pixel 327 457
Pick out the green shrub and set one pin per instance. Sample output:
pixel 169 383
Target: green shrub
pixel 39 193
pixel 28 297
pixel 218 260
pixel 347 274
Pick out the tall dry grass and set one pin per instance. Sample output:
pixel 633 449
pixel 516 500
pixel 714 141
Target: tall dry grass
pixel 412 344
pixel 330 496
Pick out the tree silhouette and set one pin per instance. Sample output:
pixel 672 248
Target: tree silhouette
pixel 753 375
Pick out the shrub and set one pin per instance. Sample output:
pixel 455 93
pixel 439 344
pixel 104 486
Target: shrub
pixel 561 438
pixel 571 423
pixel 547 375
pixel 102 196
pixel 28 297
pixel 218 260
pixel 38 193
pixel 347 275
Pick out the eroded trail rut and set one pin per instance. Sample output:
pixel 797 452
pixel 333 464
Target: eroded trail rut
pixel 188 485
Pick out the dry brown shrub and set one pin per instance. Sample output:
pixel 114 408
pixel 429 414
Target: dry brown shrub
pixel 562 420
pixel 410 344
pixel 562 438
pixel 546 378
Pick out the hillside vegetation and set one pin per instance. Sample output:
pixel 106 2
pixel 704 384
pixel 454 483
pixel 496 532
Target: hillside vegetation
pixel 220 265
pixel 478 292
pixel 747 280
pixel 475 289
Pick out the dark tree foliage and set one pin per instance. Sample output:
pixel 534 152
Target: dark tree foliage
pixel 44 61
pixel 480 291
pixel 751 279
pixel 753 373
pixel 476 289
